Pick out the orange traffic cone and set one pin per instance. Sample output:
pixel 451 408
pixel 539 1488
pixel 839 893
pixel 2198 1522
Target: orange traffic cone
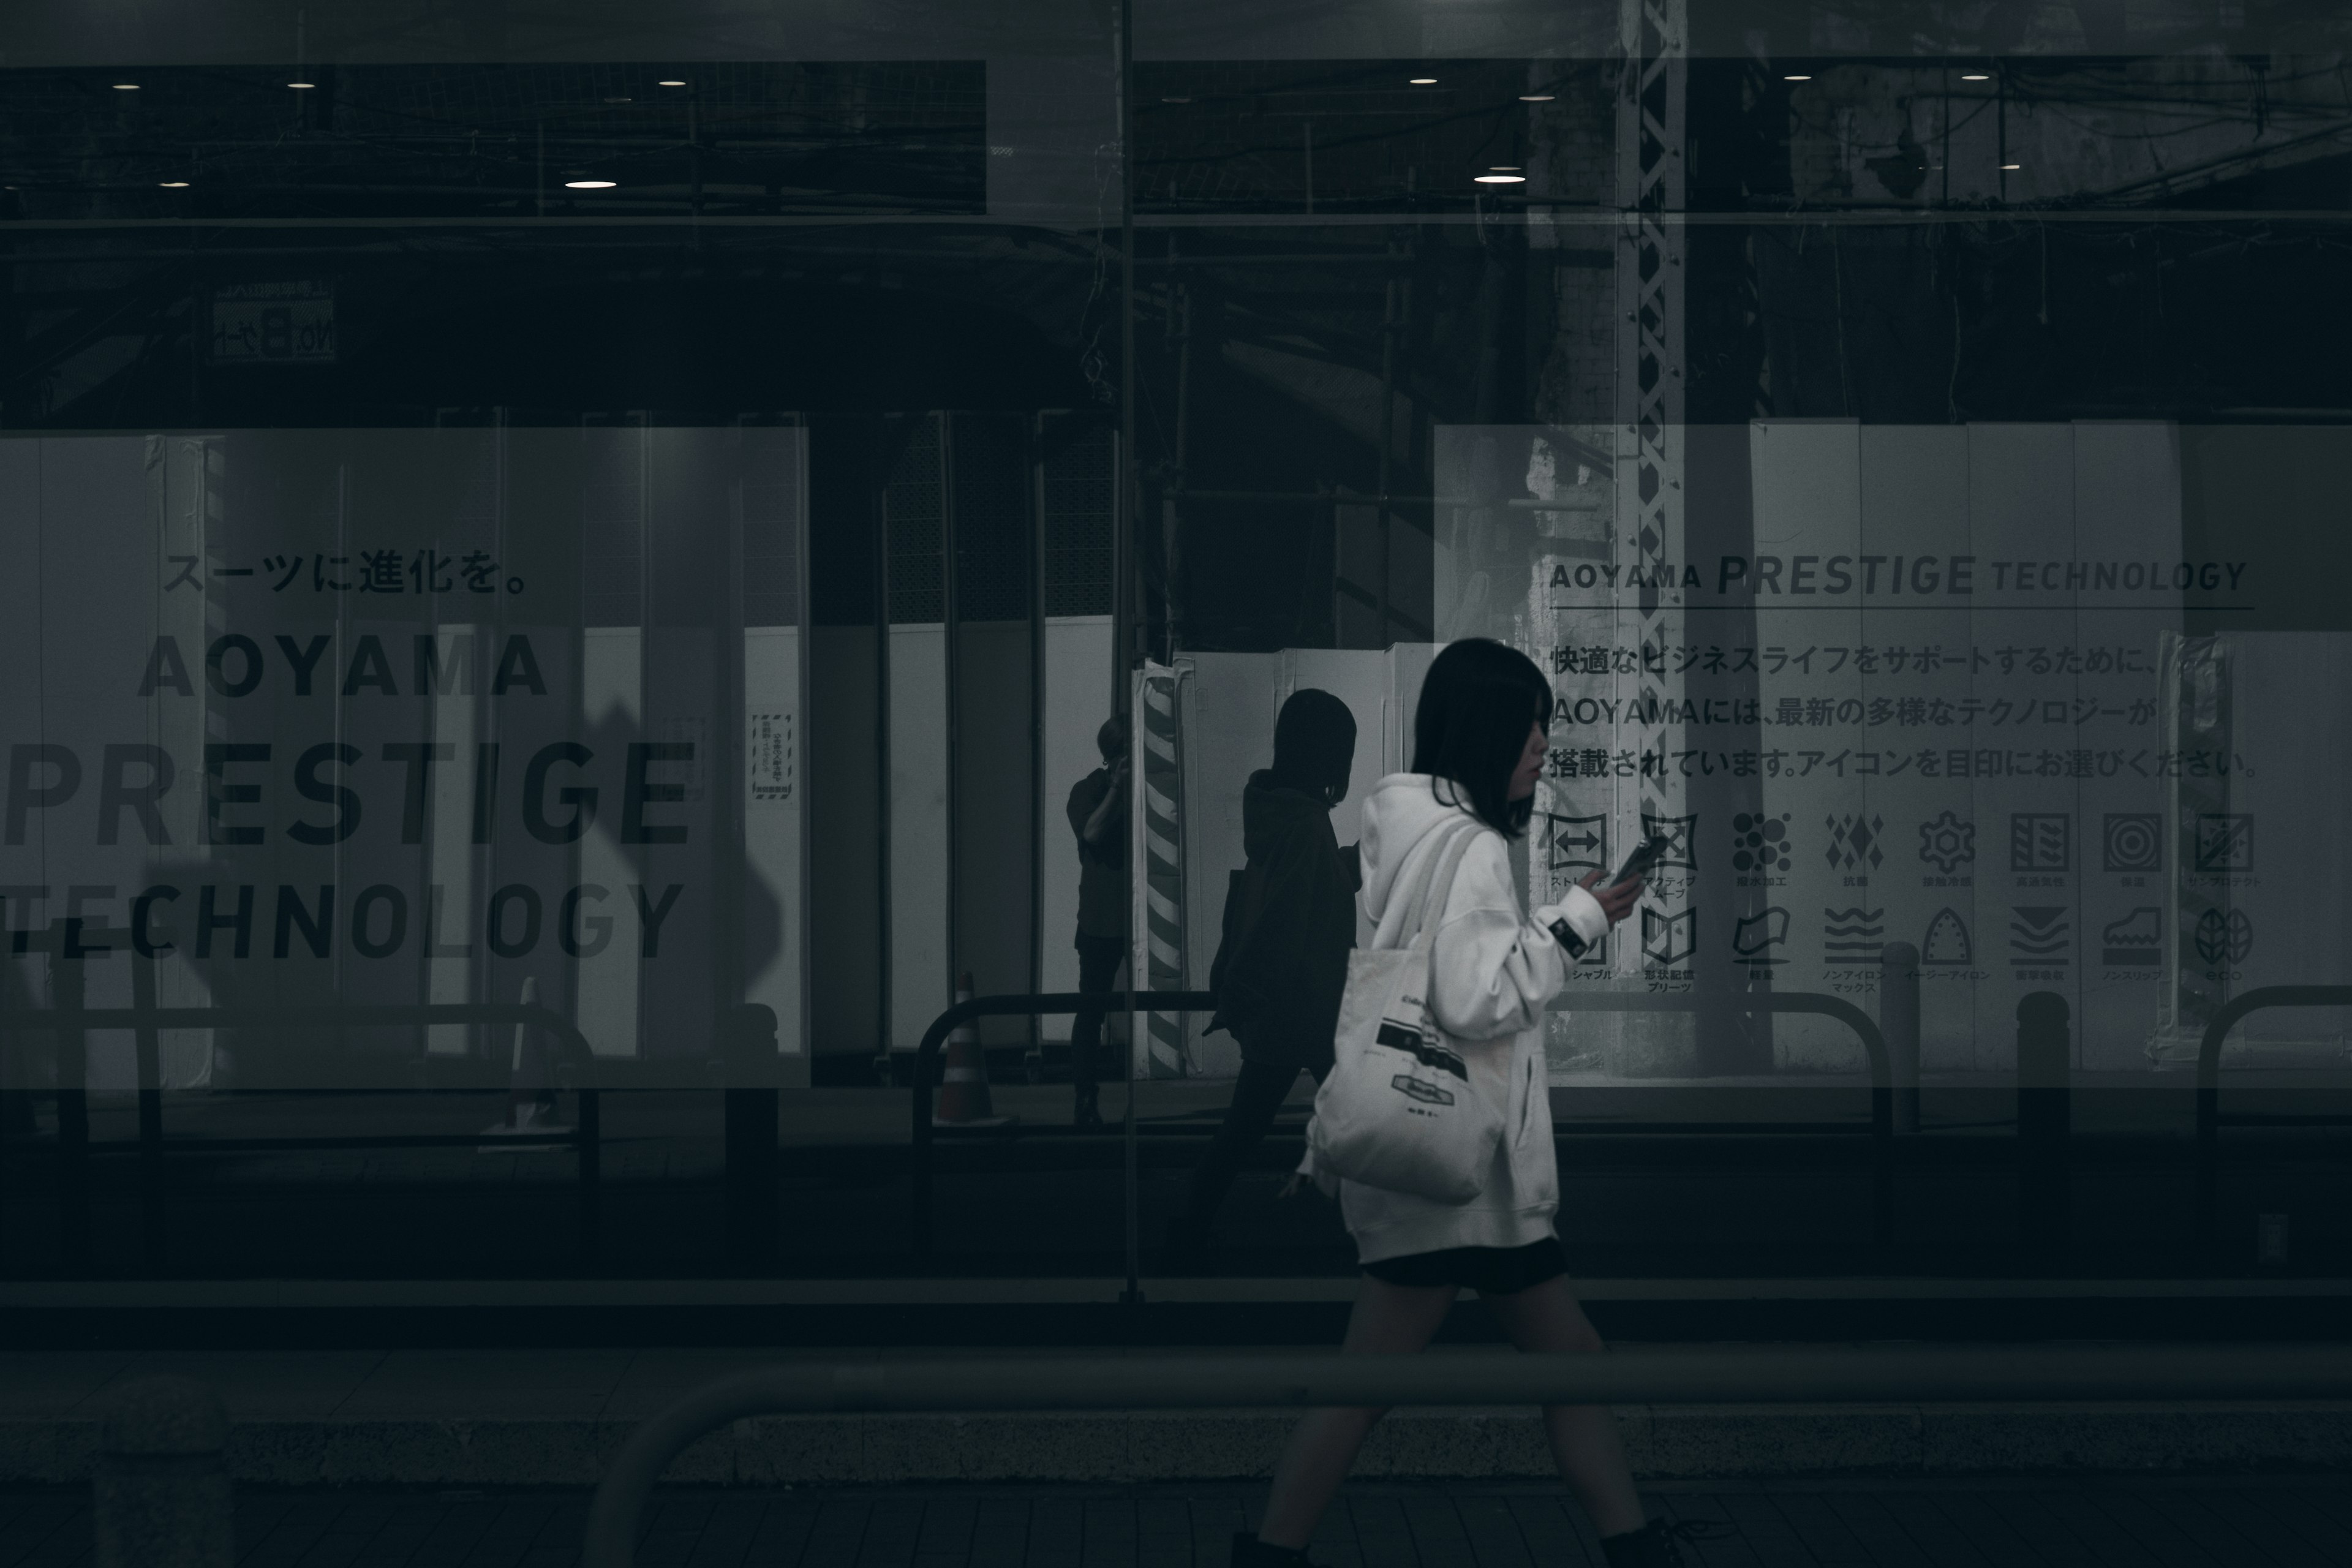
pixel 963 1089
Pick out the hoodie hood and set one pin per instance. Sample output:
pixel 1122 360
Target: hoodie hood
pixel 1272 811
pixel 1399 814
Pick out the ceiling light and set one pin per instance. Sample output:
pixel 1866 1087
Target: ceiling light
pixel 1796 79
pixel 175 185
pixel 1975 76
pixel 2012 168
pixel 1535 98
pixel 301 85
pixel 1501 179
pixel 590 185
pixel 126 86
pixel 669 84
pixel 1421 81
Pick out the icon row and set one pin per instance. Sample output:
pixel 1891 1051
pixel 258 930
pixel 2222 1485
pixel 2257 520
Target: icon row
pixel 2040 936
pixel 2039 841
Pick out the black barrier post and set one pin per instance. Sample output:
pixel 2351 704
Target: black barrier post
pixel 2044 1076
pixel 1898 1020
pixel 153 1233
pixel 68 993
pixel 747 1055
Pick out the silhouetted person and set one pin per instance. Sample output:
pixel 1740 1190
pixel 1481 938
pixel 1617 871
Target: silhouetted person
pixel 1099 817
pixel 1283 961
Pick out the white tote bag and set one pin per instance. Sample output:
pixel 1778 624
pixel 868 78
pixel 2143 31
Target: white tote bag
pixel 1398 1110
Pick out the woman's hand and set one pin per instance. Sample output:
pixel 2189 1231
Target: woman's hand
pixel 1617 901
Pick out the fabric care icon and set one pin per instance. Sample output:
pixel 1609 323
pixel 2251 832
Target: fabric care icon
pixel 2041 934
pixel 1852 936
pixel 1947 944
pixel 2225 842
pixel 1759 843
pixel 2040 841
pixel 1948 843
pixel 1754 938
pixel 2224 939
pixel 1681 834
pixel 2132 841
pixel 1576 844
pixel 1854 842
pixel 2136 941
pixel 1668 939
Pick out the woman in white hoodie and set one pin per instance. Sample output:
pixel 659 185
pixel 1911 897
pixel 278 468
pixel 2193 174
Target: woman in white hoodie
pixel 1478 749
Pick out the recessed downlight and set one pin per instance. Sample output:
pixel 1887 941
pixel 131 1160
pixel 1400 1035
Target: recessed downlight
pixel 2010 168
pixel 126 86
pixel 301 85
pixel 1421 81
pixel 1975 76
pixel 173 184
pixel 1796 79
pixel 669 84
pixel 590 185
pixel 1501 179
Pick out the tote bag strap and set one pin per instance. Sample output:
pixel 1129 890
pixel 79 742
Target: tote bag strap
pixel 1446 864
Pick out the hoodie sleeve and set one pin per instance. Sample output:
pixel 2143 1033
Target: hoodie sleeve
pixel 1494 969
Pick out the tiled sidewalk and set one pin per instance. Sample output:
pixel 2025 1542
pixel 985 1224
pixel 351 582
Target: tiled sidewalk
pixel 2177 1523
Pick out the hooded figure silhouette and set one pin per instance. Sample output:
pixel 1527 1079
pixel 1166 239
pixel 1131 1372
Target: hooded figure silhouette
pixel 1290 920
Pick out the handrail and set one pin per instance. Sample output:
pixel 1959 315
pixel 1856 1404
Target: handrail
pixel 2209 1083
pixel 1730 1375
pixel 1865 1028
pixel 341 1014
pixel 577 1058
pixel 1874 1044
pixel 927 1055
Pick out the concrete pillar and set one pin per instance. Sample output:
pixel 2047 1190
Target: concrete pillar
pixel 161 1496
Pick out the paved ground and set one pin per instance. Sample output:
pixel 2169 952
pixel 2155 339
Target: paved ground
pixel 2242 1524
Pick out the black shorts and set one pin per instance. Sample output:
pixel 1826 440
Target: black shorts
pixel 1489 1270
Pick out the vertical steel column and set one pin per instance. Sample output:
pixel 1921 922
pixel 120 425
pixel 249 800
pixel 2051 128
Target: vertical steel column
pixel 880 456
pixel 1034 1063
pixel 1649 457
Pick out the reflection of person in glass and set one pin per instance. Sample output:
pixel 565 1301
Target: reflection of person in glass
pixel 1478 750
pixel 1284 958
pixel 1099 817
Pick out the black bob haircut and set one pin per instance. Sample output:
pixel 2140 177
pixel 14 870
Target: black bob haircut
pixel 1471 726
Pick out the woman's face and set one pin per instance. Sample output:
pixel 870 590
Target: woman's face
pixel 1531 761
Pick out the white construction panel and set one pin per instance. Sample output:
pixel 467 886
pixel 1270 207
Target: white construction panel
pixel 612 697
pixel 775 803
pixel 921 986
pixel 452 894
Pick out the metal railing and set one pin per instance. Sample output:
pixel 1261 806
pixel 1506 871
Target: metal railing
pixel 1729 1375
pixel 1874 1044
pixel 576 1066
pixel 2210 1120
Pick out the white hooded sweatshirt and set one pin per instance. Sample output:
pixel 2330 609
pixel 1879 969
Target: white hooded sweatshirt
pixel 1493 970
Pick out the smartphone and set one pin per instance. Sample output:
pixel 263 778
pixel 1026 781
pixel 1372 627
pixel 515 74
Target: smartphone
pixel 1646 854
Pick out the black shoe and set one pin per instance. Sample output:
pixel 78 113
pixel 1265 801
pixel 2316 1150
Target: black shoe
pixel 1249 1552
pixel 1653 1545
pixel 1088 1112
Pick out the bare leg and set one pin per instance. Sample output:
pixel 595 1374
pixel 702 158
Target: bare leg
pixel 1388 1319
pixel 1584 1443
